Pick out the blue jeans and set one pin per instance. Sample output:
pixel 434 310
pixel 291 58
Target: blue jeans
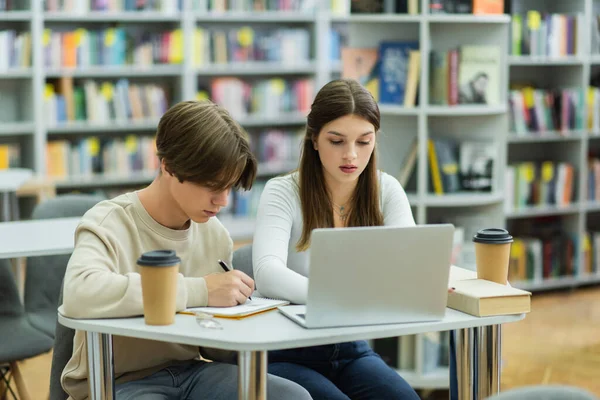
pixel 196 380
pixel 340 372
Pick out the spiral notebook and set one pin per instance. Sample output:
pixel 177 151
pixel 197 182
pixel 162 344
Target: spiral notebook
pixel 251 307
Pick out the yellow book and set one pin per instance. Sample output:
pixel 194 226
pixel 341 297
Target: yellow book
pixel 412 78
pixel 483 298
pixel 436 177
pixel 4 159
pixel 176 47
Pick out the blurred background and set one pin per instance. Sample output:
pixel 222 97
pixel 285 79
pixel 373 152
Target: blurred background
pixel 490 117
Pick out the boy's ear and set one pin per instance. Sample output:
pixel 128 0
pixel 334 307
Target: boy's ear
pixel 163 167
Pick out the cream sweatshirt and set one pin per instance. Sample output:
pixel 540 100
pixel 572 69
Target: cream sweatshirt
pixel 102 281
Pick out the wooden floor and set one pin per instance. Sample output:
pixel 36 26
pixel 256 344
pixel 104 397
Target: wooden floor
pixel 558 343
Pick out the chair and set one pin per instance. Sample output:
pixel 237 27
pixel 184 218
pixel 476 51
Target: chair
pixel 242 260
pixel 544 392
pixel 63 338
pixel 63 350
pixel 44 274
pixel 20 340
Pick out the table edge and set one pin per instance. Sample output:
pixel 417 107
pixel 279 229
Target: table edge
pixel 223 344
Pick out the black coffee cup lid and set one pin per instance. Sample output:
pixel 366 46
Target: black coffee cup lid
pixel 159 258
pixel 493 236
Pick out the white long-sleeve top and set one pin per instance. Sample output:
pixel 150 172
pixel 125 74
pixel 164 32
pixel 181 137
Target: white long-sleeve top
pixel 279 270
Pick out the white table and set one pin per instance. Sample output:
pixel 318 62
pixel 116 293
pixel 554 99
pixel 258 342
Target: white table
pixel 41 237
pixel 477 339
pixel 10 181
pixel 47 237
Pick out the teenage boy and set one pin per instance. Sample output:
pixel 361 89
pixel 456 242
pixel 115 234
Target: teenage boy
pixel 203 154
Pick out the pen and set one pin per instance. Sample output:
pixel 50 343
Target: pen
pixel 227 269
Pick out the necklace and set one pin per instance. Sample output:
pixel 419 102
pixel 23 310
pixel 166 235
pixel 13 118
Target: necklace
pixel 341 212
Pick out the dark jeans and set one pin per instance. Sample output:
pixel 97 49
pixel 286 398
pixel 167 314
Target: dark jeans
pixel 341 371
pixel 202 380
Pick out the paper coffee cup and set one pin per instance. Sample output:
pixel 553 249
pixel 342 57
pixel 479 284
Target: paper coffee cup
pixel 159 270
pixel 492 254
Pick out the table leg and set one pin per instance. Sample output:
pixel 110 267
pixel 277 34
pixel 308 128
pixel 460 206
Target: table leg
pixel 464 340
pixel 15 215
pixel 6 211
pixel 489 354
pixel 19 271
pixel 100 366
pixel 252 375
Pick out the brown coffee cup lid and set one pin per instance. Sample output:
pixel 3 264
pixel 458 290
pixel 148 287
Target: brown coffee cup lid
pixel 493 236
pixel 159 258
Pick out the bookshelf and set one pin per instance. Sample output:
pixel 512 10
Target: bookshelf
pixel 402 127
pixel 560 66
pixel 185 70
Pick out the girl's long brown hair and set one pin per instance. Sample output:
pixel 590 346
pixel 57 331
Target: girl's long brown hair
pixel 337 99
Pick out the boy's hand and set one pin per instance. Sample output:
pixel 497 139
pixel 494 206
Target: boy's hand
pixel 229 288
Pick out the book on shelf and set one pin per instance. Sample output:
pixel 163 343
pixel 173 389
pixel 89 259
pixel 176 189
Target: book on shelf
pixel 12 5
pixel 469 74
pixel 488 6
pixel 590 264
pixel 10 155
pixel 366 6
pixel 85 6
pixel 409 163
pixel 456 166
pixel 534 111
pixel 450 6
pixel 15 49
pixel 592 107
pixel 483 298
pixel 545 183
pixel 277 147
pixel 266 98
pixel 222 6
pixel 541 258
pixel 545 34
pixel 340 7
pixel 479 75
pixel 362 65
pixel 68 100
pixel 595 28
pixel 545 248
pixel 593 177
pixel 390 71
pixel 393 72
pixel 93 155
pixel 114 46
pixel 217 45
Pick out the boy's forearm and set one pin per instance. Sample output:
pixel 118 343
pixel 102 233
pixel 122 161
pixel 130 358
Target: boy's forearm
pixel 109 295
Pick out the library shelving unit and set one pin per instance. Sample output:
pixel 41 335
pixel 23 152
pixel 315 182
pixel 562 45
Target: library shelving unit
pixel 25 93
pixel 547 56
pixel 18 103
pixel 402 127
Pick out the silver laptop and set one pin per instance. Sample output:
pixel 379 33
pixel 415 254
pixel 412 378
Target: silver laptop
pixel 376 275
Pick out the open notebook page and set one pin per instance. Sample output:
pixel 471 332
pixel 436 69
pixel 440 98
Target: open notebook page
pixel 256 305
